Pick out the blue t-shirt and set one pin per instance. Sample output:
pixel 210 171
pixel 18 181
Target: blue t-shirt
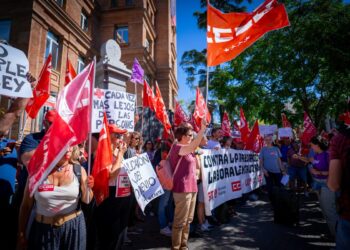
pixel 8 168
pixel 270 157
pixel 284 153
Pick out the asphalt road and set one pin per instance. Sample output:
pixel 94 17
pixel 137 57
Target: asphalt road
pixel 252 228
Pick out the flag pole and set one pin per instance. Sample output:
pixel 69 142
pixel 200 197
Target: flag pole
pixel 206 87
pixel 23 128
pixel 90 132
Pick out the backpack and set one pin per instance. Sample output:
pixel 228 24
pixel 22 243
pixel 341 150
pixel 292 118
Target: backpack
pixel 165 172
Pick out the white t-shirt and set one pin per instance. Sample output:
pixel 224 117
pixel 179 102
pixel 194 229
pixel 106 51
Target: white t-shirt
pixel 213 145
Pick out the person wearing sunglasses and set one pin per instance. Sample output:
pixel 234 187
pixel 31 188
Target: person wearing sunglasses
pixel 183 161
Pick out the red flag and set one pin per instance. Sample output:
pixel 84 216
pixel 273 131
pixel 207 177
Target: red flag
pixel 103 160
pixel 309 129
pixel 148 97
pixel 70 73
pixel 193 123
pixel 226 125
pixel 160 110
pixel 244 127
pixel 200 110
pixel 230 34
pixel 254 140
pixel 285 122
pixel 180 115
pixel 235 125
pixel 70 127
pixel 42 90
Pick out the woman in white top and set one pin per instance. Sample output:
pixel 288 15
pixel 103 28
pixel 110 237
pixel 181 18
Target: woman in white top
pixel 59 222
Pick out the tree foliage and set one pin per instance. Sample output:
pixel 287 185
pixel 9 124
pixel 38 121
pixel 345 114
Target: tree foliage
pixel 306 64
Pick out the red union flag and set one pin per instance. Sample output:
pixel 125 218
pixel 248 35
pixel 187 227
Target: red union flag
pixel 180 115
pixel 42 90
pixel 102 162
pixel 200 110
pixel 244 127
pixel 285 122
pixel 254 141
pixel 309 129
pixel 230 34
pixel 70 73
pixel 161 113
pixel 148 97
pixel 70 127
pixel 226 125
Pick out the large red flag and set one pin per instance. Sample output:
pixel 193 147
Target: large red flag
pixel 148 97
pixel 42 90
pixel 309 129
pixel 70 73
pixel 254 140
pixel 244 127
pixel 70 127
pixel 103 160
pixel 201 109
pixel 161 113
pixel 230 34
pixel 226 125
pixel 180 115
pixel 285 122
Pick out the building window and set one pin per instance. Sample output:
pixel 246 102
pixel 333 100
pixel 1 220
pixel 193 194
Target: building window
pixel 60 2
pixel 129 2
pixel 122 32
pixel 52 47
pixel 5 28
pixel 83 21
pixel 114 3
pixel 81 64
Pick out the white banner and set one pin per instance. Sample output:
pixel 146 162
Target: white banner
pixel 227 174
pixel 267 129
pixel 119 106
pixel 13 69
pixel 285 132
pixel 143 179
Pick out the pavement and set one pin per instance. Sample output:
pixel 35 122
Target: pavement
pixel 252 228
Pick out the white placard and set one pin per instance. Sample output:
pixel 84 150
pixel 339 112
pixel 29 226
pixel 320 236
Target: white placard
pixel 227 174
pixel 143 179
pixel 13 69
pixel 285 132
pixel 267 129
pixel 119 107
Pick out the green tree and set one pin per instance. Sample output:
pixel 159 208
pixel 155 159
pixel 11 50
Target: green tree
pixel 306 64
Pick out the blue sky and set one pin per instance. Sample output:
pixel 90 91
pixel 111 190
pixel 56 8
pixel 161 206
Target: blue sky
pixel 190 37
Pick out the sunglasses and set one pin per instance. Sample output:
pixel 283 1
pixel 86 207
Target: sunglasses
pixel 189 135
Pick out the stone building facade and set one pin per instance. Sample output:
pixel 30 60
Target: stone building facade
pixel 75 29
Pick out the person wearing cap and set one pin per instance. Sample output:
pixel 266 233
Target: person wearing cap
pixel 113 213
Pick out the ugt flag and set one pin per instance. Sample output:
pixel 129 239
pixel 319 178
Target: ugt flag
pixel 229 34
pixel 70 127
pixel 180 115
pixel 201 110
pixel 226 125
pixel 42 90
pixel 103 160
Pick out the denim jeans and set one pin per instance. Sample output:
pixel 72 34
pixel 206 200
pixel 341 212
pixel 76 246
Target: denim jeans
pixel 165 209
pixel 327 200
pixel 343 233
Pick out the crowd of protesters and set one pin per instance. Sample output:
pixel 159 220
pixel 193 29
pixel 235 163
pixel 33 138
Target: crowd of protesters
pixel 63 213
